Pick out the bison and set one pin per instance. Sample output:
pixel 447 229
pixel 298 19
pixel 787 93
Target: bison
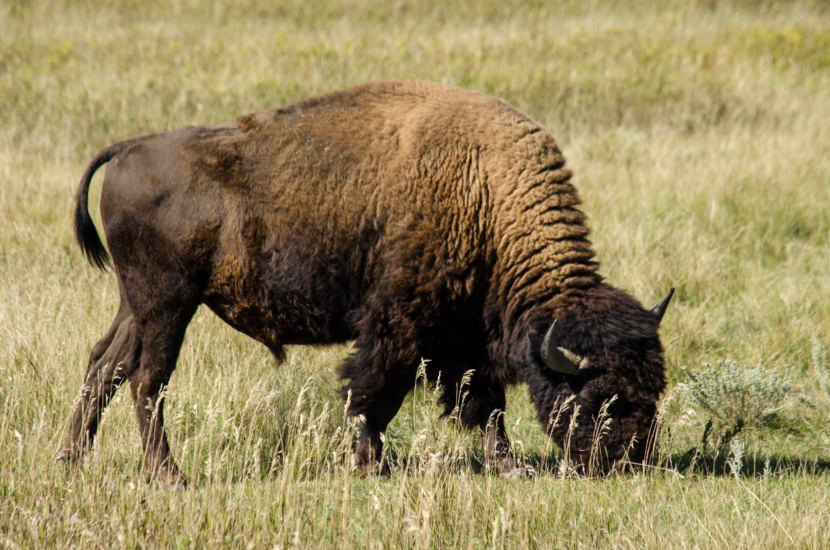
pixel 417 219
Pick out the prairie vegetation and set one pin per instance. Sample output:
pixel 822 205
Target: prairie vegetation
pixel 698 132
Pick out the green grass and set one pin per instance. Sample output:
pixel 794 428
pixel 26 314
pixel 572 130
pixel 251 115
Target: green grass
pixel 699 135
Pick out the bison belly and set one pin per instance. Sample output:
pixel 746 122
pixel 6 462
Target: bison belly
pixel 287 291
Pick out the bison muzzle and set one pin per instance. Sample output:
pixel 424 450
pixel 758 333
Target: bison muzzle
pixel 420 221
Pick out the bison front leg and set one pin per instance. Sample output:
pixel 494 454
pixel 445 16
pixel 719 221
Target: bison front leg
pixel 368 454
pixel 377 404
pixel 498 454
pixel 381 372
pixel 479 403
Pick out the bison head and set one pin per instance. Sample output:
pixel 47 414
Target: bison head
pixel 597 374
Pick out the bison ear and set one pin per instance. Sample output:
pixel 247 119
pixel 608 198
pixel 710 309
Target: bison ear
pixel 660 308
pixel 559 359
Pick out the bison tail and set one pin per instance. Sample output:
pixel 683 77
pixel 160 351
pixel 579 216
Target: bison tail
pixel 85 232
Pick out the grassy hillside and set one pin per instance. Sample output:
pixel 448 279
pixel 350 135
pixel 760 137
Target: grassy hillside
pixel 698 132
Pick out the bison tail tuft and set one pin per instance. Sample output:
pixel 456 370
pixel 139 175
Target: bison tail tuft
pixel 88 238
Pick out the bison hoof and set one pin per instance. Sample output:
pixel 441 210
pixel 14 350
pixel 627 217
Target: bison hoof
pixel 68 457
pixel 505 465
pixel 175 486
pixel 165 477
pixel 168 480
pixel 370 468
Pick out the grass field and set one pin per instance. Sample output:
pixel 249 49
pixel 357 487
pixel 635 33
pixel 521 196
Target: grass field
pixel 699 133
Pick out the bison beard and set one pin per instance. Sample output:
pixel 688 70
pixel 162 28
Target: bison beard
pixel 420 220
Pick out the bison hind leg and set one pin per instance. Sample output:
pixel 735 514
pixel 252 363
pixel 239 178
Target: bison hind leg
pixel 112 360
pixel 162 334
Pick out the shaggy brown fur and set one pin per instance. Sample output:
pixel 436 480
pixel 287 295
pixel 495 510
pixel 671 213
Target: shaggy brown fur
pixel 422 220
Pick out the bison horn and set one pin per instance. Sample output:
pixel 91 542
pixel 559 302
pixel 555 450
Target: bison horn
pixel 559 359
pixel 660 308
